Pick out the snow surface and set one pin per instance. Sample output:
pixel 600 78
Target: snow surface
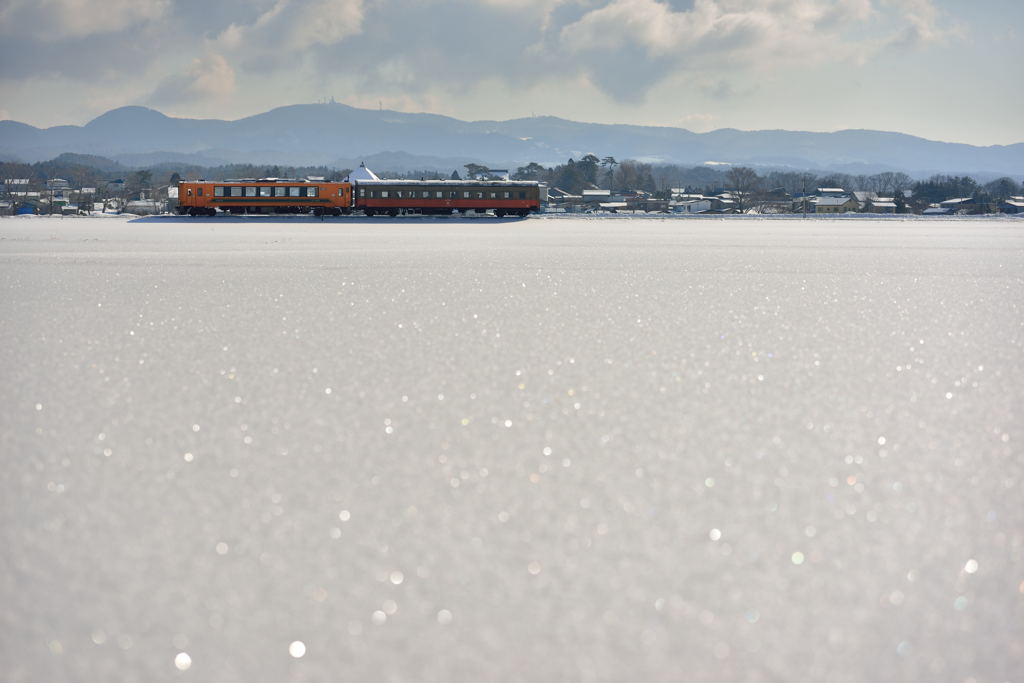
pixel 484 450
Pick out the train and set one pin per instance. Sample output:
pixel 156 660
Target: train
pixel 371 197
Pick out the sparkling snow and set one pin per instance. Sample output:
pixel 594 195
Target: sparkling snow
pixel 485 450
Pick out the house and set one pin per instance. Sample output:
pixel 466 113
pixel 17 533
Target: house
pixel 692 206
pixel 959 205
pixel 1013 205
pixel 831 204
pixel 881 205
pixel 722 205
pixel 863 198
pixel 643 201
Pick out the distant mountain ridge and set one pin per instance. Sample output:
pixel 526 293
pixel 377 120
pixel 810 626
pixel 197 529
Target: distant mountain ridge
pixel 339 135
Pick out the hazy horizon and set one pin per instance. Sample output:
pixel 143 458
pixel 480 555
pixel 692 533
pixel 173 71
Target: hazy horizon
pixel 585 121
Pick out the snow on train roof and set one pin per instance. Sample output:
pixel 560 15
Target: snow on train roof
pixel 454 183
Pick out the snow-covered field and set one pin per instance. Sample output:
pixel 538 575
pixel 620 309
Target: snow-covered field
pixel 483 450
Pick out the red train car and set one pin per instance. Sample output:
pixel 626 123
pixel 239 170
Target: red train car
pixel 265 195
pixel 394 197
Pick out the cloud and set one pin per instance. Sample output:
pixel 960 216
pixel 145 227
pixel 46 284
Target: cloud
pixel 54 20
pixel 733 36
pixel 209 77
pixel 291 27
pixel 609 53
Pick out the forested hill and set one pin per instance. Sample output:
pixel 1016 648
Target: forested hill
pixel 338 135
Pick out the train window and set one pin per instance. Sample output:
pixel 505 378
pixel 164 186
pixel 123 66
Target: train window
pixel 384 194
pixel 250 191
pixel 522 195
pixel 219 191
pixel 362 192
pixel 236 192
pixel 200 191
pixel 507 195
pixel 294 191
pixel 313 191
pixel 465 195
pixel 494 195
pixel 438 194
pixel 266 191
pixel 280 191
pixel 190 192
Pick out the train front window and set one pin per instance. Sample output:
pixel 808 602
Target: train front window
pixel 219 191
pixel 190 192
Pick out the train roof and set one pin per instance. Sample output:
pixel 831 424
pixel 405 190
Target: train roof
pixel 451 183
pixel 409 183
pixel 260 180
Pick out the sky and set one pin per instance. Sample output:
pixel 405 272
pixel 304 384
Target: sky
pixel 940 69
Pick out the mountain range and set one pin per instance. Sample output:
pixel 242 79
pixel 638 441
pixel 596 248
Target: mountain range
pixel 341 136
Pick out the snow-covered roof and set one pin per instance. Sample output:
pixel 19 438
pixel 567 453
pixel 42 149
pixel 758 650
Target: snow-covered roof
pixel 832 201
pixel 884 205
pixel 831 190
pixel 957 200
pixel 597 193
pixel 362 173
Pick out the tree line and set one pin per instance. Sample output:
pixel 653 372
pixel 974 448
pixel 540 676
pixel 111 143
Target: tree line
pixel 588 172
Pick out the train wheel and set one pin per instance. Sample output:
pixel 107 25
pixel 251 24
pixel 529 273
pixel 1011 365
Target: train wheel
pixel 369 212
pixel 393 212
pixel 500 213
pixel 318 212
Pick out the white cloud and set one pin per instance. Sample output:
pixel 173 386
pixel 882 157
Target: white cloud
pixel 292 25
pixel 735 36
pixel 53 20
pixel 208 77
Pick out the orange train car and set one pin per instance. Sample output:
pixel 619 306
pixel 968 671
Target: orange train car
pixel 265 195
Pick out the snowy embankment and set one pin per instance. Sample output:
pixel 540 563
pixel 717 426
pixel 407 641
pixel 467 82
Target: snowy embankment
pixel 544 450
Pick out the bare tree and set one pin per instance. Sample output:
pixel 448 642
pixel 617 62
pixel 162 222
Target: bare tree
pixel 744 181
